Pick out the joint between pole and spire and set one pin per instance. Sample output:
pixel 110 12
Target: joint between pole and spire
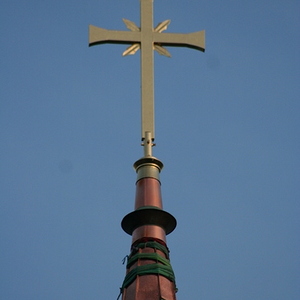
pixel 147 143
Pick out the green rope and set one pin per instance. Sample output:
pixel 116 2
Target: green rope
pixel 157 269
pixel 154 245
pixel 151 256
pixel 161 266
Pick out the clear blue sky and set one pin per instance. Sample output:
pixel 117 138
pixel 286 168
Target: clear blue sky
pixel 227 130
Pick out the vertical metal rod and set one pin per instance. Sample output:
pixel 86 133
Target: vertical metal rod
pixel 147 81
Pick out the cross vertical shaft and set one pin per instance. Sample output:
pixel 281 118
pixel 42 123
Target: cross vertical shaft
pixel 147 65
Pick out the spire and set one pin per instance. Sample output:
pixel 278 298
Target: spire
pixel 149 274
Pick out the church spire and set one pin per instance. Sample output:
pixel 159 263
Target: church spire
pixel 149 275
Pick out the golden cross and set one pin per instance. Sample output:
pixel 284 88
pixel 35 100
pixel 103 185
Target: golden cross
pixel 147 38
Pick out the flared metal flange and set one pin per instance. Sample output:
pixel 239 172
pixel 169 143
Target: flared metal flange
pixel 148 216
pixel 151 160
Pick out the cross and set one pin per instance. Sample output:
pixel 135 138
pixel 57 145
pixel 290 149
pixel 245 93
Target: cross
pixel 147 38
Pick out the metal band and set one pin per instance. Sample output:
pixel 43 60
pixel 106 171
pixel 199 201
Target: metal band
pixel 148 167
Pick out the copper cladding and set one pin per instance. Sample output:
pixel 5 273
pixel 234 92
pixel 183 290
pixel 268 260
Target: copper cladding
pixel 148 193
pixel 149 231
pixel 154 287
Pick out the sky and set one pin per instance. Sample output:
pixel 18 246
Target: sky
pixel 227 131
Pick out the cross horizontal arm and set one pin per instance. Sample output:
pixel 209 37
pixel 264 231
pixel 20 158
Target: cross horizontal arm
pixel 99 35
pixel 195 40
